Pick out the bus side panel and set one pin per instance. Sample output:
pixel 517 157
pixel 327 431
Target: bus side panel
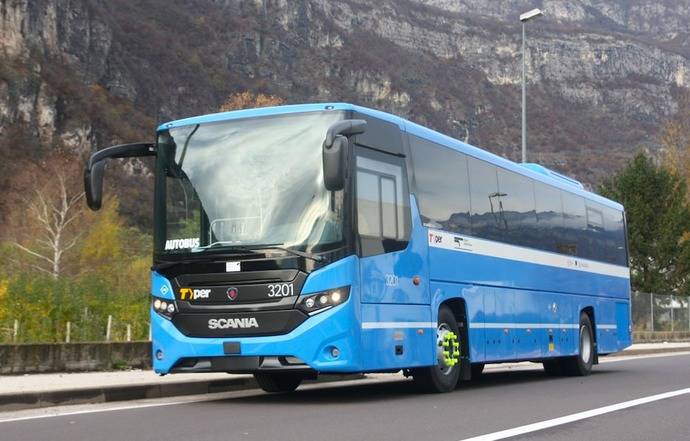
pixel 623 324
pixel 397 336
pixel 531 307
pixel 388 278
pixel 499 313
pixel 605 324
pixel 610 338
pixel 474 298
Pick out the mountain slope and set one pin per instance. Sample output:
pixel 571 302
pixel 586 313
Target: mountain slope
pixel 602 75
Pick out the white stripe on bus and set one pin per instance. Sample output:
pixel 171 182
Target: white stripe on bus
pixel 397 325
pixel 483 247
pixel 479 325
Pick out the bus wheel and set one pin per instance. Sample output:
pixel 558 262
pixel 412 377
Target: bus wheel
pixel 278 382
pixel 442 377
pixel 581 364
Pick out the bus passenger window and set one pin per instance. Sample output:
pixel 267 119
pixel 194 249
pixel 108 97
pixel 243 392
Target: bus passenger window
pixel 442 186
pixel 573 239
pixel 485 200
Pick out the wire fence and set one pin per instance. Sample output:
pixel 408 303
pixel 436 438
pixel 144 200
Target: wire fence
pixel 660 313
pixel 650 313
pixel 84 329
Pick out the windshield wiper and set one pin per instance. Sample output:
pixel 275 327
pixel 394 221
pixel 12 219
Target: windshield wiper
pixel 254 249
pixel 304 254
pixel 227 244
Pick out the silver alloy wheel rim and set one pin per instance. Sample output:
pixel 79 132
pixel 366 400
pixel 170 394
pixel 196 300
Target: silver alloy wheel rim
pixel 585 344
pixel 441 332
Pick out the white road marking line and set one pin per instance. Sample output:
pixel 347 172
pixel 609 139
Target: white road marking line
pixel 622 356
pixel 109 409
pixel 503 434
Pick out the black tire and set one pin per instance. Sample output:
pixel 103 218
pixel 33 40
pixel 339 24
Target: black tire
pixel 278 382
pixel 581 364
pixel 439 378
pixel 477 369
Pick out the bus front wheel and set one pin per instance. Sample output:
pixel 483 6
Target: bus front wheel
pixel 278 382
pixel 442 377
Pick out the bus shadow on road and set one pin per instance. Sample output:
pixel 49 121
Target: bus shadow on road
pixel 504 378
pixel 394 389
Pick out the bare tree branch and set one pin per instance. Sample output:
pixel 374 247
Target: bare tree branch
pixel 73 242
pixel 33 253
pixel 54 212
pixel 43 269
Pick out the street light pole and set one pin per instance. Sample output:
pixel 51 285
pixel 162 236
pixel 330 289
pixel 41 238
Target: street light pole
pixel 524 18
pixel 524 100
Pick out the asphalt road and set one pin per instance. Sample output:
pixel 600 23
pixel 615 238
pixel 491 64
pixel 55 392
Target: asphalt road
pixel 390 409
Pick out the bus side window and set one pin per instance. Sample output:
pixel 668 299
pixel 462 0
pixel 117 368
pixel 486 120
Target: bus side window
pixel 614 237
pixel 485 200
pixel 382 202
pixel 549 216
pixel 517 216
pixel 596 247
pixel 441 186
pixel 573 239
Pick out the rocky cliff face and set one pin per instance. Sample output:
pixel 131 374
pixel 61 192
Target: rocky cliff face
pixel 603 75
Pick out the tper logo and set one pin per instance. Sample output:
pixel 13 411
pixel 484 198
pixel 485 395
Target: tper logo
pixel 194 294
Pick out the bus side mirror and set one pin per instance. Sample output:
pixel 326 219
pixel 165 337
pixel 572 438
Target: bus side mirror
pixel 93 174
pixel 335 148
pixel 334 158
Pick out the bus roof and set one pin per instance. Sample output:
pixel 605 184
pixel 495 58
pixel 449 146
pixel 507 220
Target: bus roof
pixel 533 171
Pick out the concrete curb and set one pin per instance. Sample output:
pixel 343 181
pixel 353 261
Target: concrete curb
pixel 650 351
pixel 34 400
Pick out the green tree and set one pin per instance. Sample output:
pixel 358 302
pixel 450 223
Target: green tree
pixel 658 224
pixel 675 140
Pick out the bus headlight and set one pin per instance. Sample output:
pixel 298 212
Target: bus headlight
pixel 166 308
pixel 321 301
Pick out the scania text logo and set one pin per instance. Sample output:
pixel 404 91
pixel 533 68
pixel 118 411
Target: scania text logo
pixel 235 323
pixel 194 294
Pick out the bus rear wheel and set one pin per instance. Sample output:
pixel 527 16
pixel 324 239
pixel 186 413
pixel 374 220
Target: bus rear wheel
pixel 581 364
pixel 443 377
pixel 278 382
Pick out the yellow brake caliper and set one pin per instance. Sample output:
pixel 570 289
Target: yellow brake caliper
pixel 451 349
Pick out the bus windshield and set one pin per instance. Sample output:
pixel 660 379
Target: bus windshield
pixel 246 183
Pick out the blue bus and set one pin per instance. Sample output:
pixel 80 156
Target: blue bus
pixel 331 238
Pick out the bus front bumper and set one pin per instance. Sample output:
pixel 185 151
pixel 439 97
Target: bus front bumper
pixel 325 342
